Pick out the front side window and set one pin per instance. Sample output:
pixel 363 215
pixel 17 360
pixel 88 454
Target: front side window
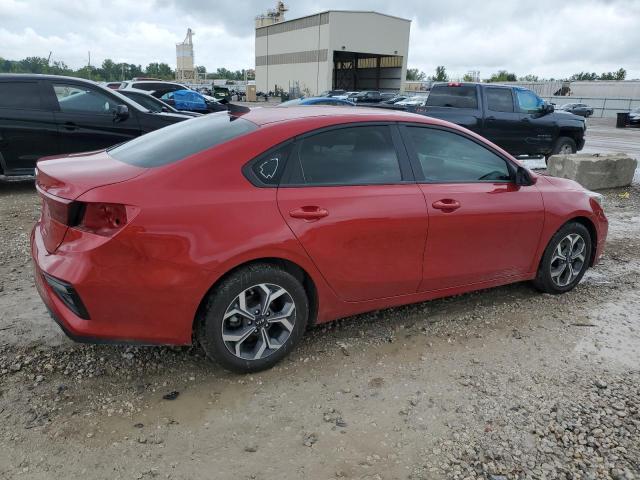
pixel 528 101
pixel 20 95
pixel 75 98
pixel 499 99
pixel 350 156
pixel 180 140
pixel 446 157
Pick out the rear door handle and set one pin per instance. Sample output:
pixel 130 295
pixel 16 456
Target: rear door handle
pixel 309 213
pixel 70 126
pixel 446 204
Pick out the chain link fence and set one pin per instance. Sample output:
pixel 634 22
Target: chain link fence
pixel 602 107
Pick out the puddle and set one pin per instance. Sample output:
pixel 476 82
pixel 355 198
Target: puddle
pixel 614 338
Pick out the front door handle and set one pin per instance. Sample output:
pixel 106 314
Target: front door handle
pixel 309 213
pixel 70 126
pixel 446 205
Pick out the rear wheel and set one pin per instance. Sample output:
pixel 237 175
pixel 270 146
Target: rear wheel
pixel 254 318
pixel 565 259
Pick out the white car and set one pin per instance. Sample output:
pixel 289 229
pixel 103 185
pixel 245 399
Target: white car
pixel 417 101
pixel 344 96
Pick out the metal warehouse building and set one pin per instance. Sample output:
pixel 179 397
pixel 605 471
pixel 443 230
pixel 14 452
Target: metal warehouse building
pixel 350 50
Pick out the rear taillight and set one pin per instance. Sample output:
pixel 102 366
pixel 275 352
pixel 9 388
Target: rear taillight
pixel 102 218
pixel 66 212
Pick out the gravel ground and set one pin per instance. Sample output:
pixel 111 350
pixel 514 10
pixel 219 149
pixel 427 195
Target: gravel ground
pixel 501 384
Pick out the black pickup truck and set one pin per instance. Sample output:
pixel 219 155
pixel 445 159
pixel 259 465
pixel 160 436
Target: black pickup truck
pixel 512 117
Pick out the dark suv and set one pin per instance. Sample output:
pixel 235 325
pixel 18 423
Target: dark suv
pixel 42 115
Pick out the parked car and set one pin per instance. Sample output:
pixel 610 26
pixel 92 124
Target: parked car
pixel 317 101
pixel 154 104
pixel 159 88
pixel 185 232
pixel 634 117
pixel 332 93
pixel 512 117
pixel 44 115
pixel 577 109
pixel 415 101
pixel 192 101
pixel 395 99
pixel 345 96
pixel 369 96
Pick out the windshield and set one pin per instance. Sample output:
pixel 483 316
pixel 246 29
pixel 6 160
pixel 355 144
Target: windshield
pixel 180 140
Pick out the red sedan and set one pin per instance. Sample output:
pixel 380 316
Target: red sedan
pixel 242 231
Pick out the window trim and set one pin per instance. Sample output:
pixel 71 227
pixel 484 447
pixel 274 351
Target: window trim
pixel 293 171
pixel 417 167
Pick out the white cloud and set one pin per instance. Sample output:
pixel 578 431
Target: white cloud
pixel 544 37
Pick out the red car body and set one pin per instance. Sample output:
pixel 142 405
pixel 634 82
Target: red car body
pixel 188 223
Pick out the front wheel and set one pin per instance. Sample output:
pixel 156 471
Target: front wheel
pixel 254 318
pixel 565 259
pixel 564 146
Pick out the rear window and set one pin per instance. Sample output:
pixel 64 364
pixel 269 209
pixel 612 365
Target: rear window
pixel 455 97
pixel 175 142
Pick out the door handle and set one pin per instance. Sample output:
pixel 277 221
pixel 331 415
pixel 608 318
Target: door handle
pixel 446 205
pixel 490 118
pixel 309 213
pixel 70 126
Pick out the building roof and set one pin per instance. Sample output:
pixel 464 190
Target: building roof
pixel 336 11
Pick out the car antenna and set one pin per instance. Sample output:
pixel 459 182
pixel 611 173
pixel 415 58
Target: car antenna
pixel 237 110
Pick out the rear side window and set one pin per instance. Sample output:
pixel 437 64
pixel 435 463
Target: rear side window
pixel 446 157
pixel 350 156
pixel 180 140
pixel 20 95
pixel 454 97
pixel 499 99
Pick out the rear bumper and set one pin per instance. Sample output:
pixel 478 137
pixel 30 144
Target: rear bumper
pixel 119 309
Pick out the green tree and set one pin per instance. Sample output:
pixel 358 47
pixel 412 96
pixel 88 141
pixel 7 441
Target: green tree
pixel 468 78
pixel 415 75
pixel 503 76
pixel 529 78
pixel 441 74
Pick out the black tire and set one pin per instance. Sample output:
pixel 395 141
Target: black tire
pixel 544 281
pixel 564 143
pixel 209 330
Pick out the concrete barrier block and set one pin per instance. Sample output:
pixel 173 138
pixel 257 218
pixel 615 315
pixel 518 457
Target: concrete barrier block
pixel 594 171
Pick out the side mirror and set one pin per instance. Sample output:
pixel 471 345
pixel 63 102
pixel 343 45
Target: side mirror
pixel 547 108
pixel 164 109
pixel 120 113
pixel 523 179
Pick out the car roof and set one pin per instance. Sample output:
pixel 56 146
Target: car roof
pixel 267 115
pixel 38 76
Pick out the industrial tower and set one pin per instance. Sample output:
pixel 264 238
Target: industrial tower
pixel 185 69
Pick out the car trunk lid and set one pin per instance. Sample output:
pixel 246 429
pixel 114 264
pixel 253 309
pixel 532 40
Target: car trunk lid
pixel 61 180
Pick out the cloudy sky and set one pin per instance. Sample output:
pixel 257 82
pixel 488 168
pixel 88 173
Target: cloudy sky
pixel 548 38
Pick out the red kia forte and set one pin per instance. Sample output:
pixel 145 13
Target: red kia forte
pixel 241 231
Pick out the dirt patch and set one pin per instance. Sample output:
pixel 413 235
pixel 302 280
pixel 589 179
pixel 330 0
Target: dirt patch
pixel 503 383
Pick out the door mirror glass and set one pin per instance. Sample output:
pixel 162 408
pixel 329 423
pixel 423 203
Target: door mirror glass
pixel 523 178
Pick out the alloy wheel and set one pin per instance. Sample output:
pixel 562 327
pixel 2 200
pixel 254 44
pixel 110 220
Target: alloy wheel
pixel 568 259
pixel 258 321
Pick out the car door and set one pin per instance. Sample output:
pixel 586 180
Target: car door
pixel 482 226
pixel 349 198
pixel 501 120
pixel 86 120
pixel 27 128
